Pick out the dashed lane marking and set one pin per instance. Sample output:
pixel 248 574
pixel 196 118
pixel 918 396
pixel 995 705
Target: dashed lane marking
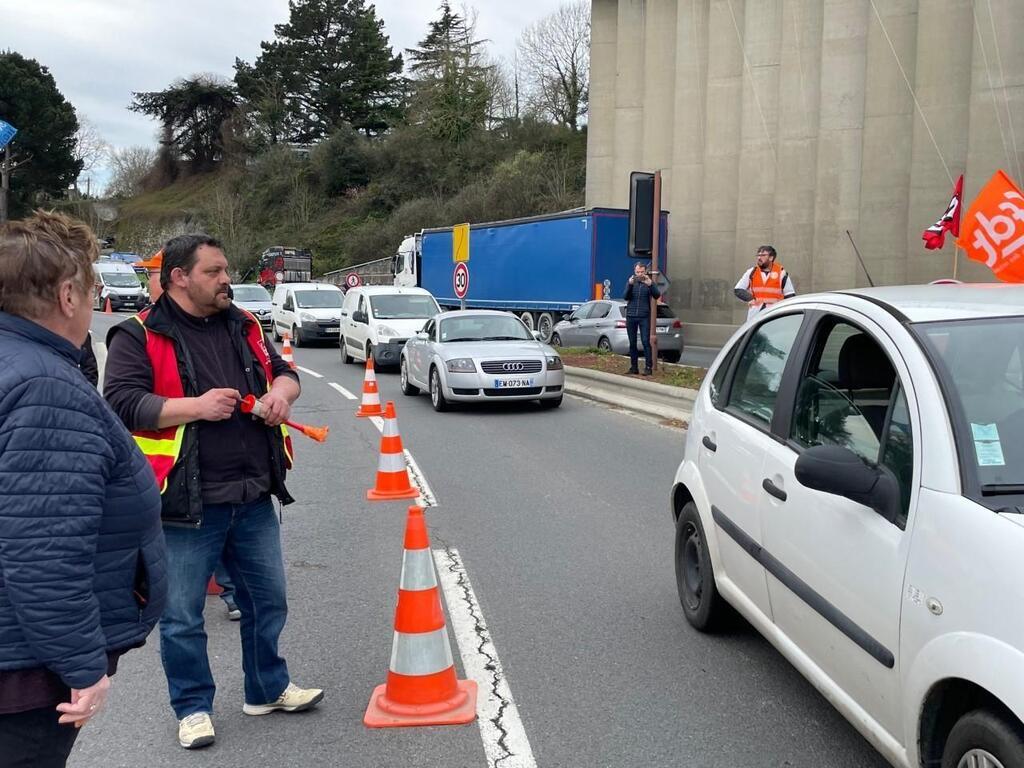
pixel 344 392
pixel 314 374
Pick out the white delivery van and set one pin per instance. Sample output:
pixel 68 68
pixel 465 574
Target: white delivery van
pixel 308 312
pixel 378 319
pixel 118 282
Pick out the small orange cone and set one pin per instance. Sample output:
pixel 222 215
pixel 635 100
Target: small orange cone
pixel 370 405
pixel 392 474
pixel 107 309
pixel 421 687
pixel 286 351
pixel 212 587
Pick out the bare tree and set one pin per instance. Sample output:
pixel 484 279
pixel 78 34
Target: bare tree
pixel 130 166
pixel 90 148
pixel 555 54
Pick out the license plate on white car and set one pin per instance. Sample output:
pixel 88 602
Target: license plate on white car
pixel 512 383
pixel 333 329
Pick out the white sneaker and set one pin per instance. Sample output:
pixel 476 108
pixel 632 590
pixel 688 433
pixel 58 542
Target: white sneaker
pixel 294 699
pixel 196 731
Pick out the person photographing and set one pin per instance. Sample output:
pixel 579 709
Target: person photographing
pixel 639 292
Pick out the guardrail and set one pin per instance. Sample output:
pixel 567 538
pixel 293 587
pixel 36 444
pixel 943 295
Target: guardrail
pixel 633 394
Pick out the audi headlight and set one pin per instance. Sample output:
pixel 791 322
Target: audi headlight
pixel 386 332
pixel 554 363
pixel 462 365
pixel 306 317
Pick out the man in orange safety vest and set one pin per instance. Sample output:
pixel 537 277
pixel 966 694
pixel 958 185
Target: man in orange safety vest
pixel 764 284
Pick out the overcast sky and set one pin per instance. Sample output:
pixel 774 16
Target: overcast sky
pixel 99 51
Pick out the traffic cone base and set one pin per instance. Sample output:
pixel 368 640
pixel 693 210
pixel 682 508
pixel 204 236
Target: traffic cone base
pixel 374 495
pixel 456 710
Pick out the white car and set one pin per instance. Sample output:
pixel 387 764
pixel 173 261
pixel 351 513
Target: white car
pixel 118 282
pixel 308 312
pixel 853 485
pixel 378 319
pixel 481 355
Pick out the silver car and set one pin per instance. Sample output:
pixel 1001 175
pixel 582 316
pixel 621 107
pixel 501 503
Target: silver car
pixel 478 356
pixel 602 324
pixel 255 299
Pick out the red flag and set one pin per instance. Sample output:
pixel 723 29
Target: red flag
pixel 935 236
pixel 994 229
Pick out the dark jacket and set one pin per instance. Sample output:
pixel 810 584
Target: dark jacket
pixel 82 566
pixel 201 467
pixel 638 299
pixel 88 364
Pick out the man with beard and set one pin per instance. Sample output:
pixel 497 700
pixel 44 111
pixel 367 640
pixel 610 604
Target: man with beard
pixel 175 374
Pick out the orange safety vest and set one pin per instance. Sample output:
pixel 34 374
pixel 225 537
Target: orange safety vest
pixel 766 288
pixel 162 447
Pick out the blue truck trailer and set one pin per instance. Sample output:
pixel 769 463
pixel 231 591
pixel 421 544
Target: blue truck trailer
pixel 541 267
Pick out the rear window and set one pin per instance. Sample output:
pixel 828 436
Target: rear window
pixel 664 310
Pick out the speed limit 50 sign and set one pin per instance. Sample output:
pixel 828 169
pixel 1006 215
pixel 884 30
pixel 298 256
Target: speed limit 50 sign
pixel 460 280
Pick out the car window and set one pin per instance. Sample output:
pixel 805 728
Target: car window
pixel 288 303
pixel 583 312
pixel 600 310
pixel 759 371
pixel 428 328
pixel 664 310
pixel 362 304
pixel 898 451
pixel 718 380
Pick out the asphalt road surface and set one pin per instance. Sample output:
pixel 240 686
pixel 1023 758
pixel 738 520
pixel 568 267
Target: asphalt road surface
pixel 553 534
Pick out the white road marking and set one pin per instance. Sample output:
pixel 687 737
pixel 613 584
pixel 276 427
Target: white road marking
pixel 342 390
pixel 426 498
pixel 501 729
pixel 314 374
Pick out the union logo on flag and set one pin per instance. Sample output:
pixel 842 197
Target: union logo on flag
pixel 992 231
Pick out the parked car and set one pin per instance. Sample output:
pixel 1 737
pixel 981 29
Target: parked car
pixel 853 485
pixel 118 282
pixel 307 311
pixel 602 324
pixel 378 319
pixel 254 298
pixel 481 355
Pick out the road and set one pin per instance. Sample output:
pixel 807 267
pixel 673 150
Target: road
pixel 561 521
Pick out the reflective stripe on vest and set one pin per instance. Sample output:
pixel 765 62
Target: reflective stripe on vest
pixel 766 288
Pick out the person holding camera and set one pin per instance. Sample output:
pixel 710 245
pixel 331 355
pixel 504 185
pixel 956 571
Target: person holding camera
pixel 639 292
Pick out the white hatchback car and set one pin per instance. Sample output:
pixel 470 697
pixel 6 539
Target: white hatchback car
pixel 853 485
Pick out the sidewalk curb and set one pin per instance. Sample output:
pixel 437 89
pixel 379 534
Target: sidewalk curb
pixel 644 397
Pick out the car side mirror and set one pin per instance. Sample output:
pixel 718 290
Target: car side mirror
pixel 423 336
pixel 839 471
pixel 359 317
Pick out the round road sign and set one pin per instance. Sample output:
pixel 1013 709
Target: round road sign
pixel 279 277
pixel 460 280
pixel 352 280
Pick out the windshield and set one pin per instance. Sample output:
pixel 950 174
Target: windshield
pixel 403 306
pixel 484 328
pixel 120 279
pixel 981 363
pixel 250 293
pixel 318 299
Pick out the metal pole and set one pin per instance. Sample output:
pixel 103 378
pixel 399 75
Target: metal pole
pixel 5 183
pixel 655 254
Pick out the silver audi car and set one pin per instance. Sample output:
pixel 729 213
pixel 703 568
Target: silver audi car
pixel 478 356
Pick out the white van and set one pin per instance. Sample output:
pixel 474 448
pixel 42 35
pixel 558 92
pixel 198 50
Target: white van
pixel 118 282
pixel 308 312
pixel 378 319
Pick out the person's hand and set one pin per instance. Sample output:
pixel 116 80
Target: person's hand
pixel 85 703
pixel 632 279
pixel 278 408
pixel 217 404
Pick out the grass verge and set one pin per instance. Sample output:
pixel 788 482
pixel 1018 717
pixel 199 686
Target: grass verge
pixel 608 362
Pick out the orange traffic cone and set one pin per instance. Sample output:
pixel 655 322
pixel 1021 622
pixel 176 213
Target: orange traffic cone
pixel 212 587
pixel 370 405
pixel 421 687
pixel 286 351
pixel 392 475
pixel 107 309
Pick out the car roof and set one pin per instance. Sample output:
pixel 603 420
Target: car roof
pixel 927 303
pixel 473 313
pixel 308 286
pixel 376 290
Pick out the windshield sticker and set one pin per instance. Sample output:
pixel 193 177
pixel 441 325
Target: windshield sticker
pixel 987 446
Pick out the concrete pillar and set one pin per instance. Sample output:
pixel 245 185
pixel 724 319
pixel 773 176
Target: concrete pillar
pixel 688 154
pixel 942 82
pixel 629 98
pixel 888 134
pixel 996 130
pixel 721 162
pixel 799 103
pixel 601 115
pixel 840 142
pixel 755 215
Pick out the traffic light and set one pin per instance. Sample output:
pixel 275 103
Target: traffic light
pixel 641 214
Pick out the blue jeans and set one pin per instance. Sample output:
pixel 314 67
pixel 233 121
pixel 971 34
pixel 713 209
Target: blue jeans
pixel 249 538
pixel 643 325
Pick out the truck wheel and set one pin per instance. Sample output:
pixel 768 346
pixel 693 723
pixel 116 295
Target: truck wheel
pixel 983 738
pixel 527 318
pixel 545 323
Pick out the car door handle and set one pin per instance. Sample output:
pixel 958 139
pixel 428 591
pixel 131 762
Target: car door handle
pixel 773 489
pixel 710 444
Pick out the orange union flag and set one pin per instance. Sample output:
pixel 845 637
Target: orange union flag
pixel 992 231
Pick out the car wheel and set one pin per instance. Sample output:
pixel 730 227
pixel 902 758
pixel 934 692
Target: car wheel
pixel 672 357
pixel 983 739
pixel 296 338
pixel 545 322
pixel 369 353
pixel 407 387
pixel 695 578
pixel 556 340
pixel 604 345
pixel 551 403
pixel 98 302
pixel 436 393
pixel 277 335
pixel 346 358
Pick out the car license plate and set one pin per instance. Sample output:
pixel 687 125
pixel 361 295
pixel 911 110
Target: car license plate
pixel 662 329
pixel 512 383
pixel 333 329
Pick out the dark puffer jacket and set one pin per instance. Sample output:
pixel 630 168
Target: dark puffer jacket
pixel 82 560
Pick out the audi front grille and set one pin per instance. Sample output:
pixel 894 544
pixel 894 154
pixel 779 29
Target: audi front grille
pixel 511 367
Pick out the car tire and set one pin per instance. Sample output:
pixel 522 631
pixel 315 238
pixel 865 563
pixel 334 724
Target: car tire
pixel 545 324
pixel 437 392
pixel 984 734
pixel 403 373
pixel 296 338
pixel 551 403
pixel 556 340
pixel 369 354
pixel 604 345
pixel 695 577
pixel 672 357
pixel 346 358
pixel 277 335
